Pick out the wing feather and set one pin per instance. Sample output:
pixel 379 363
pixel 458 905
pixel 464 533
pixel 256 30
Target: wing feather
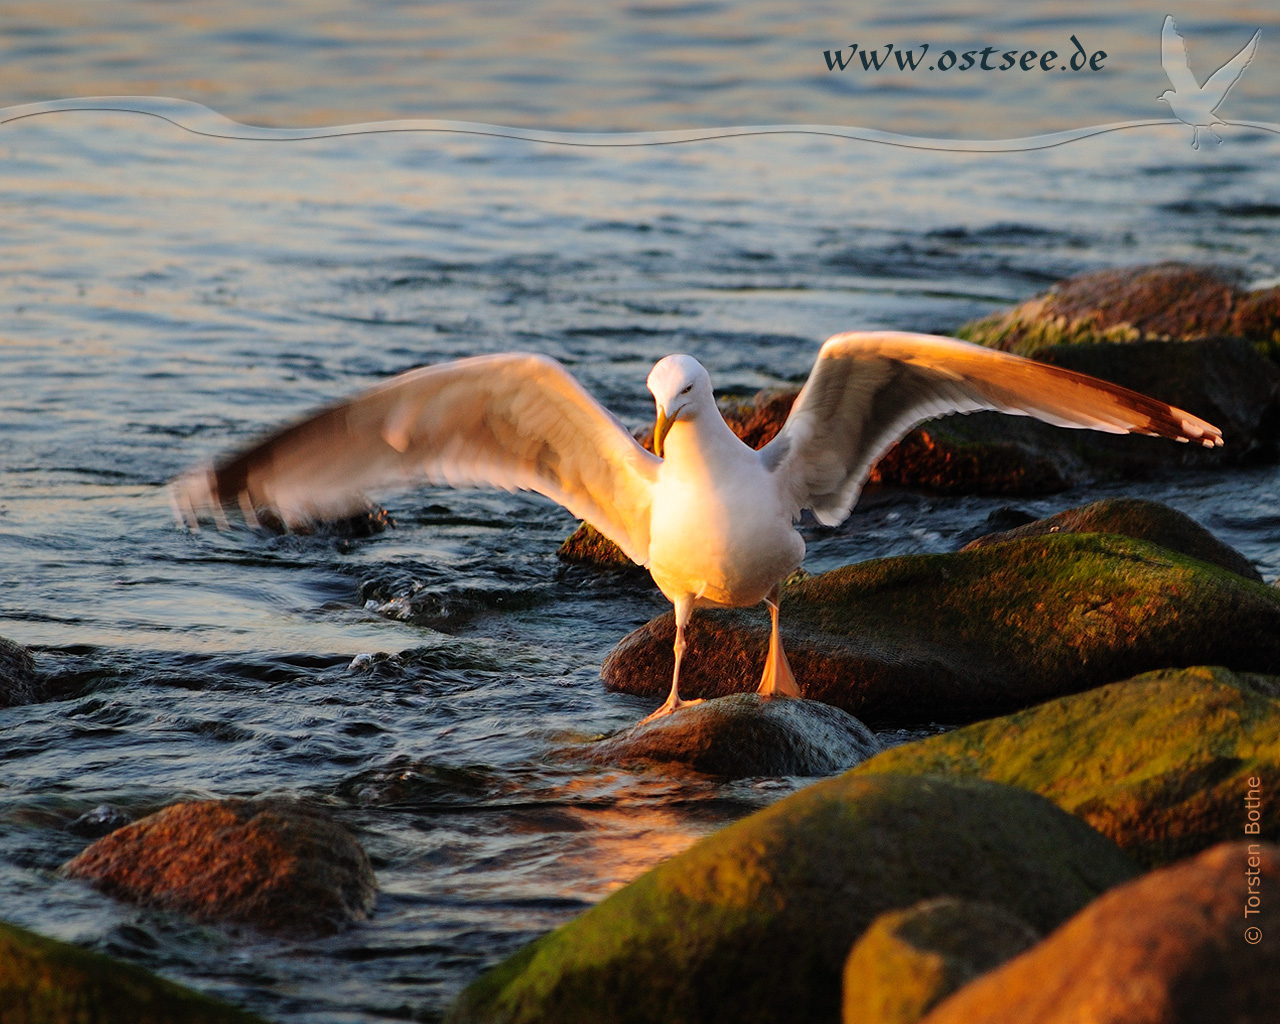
pixel 516 421
pixel 1173 56
pixel 867 390
pixel 1220 82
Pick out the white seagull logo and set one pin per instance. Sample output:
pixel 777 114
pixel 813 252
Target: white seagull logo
pixel 1192 103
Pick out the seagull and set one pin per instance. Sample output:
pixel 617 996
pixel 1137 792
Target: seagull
pixel 712 519
pixel 1192 103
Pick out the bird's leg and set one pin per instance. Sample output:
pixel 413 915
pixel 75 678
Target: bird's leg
pixel 777 680
pixel 683 609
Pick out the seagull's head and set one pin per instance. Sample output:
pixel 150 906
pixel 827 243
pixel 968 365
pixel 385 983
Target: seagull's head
pixel 681 391
pixel 1164 96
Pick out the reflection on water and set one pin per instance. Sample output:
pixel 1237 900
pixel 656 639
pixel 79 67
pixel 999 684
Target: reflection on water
pixel 166 297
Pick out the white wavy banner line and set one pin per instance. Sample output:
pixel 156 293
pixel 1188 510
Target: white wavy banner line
pixel 201 120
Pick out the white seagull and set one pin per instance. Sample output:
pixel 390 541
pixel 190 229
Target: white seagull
pixel 1191 102
pixel 712 519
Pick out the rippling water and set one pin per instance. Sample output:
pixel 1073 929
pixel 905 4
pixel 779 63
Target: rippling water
pixel 165 297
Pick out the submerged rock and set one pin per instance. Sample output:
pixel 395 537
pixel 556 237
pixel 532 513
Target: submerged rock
pixel 1160 764
pixel 744 735
pixel 1133 517
pixel 274 864
pixel 1170 946
pixel 754 923
pixel 909 960
pixel 99 821
pixel 957 637
pixel 43 981
pixel 18 682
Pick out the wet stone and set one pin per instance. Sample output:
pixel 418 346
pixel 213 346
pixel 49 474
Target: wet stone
pixel 746 735
pixel 19 683
pixel 909 960
pixel 274 864
pixel 957 637
pixel 1132 517
pixel 1161 764
pixel 43 981
pixel 99 821
pixel 1170 946
pixel 754 923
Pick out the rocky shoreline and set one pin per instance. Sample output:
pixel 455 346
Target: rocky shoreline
pixel 1099 824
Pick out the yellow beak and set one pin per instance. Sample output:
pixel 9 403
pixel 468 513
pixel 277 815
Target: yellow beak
pixel 660 428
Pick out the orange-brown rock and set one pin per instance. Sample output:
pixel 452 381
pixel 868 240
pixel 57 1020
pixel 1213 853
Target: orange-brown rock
pixel 1171 947
pixel 274 864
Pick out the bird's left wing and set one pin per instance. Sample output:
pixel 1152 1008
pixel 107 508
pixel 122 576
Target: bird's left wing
pixel 1173 57
pixel 868 389
pixel 1221 81
pixel 516 421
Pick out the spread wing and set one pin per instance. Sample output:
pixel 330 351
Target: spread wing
pixel 1221 81
pixel 1173 55
pixel 516 421
pixel 868 389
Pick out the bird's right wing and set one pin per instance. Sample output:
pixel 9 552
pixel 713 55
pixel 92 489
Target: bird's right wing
pixel 516 421
pixel 1221 81
pixel 1173 55
pixel 868 389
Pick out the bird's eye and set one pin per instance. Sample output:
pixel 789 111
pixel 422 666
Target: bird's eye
pixel 687 389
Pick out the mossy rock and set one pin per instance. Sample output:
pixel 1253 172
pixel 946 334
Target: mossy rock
pixel 43 981
pixel 909 960
pixel 746 735
pixel 754 923
pixel 1171 946
pixel 1133 517
pixel 1160 764
pixel 957 637
pixel 275 864
pixel 1167 301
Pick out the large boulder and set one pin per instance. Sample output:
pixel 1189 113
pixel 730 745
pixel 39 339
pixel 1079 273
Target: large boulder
pixel 754 923
pixel 275 864
pixel 956 637
pixel 1133 517
pixel 1173 946
pixel 746 735
pixel 909 960
pixel 43 981
pixel 1164 764
pixel 1164 302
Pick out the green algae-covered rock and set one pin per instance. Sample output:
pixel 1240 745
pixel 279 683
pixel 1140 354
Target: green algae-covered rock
pixel 909 960
pixel 1172 947
pixel 1168 301
pixel 1133 517
pixel 754 923
pixel 956 637
pixel 745 734
pixel 43 981
pixel 1161 764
